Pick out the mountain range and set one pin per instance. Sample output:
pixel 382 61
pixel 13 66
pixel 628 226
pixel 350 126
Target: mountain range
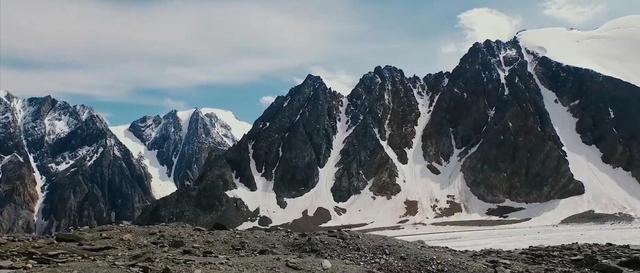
pixel 537 128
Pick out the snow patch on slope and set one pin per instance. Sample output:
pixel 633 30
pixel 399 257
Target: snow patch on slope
pixel 3 95
pixel 320 196
pixel 23 110
pixel 184 117
pixel 238 128
pixel 610 50
pixel 514 237
pixel 226 126
pixel 416 181
pixel 607 189
pixel 161 184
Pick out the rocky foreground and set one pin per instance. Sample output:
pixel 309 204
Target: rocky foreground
pixel 183 248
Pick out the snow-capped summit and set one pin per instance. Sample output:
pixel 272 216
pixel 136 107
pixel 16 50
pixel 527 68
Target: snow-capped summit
pixel 237 128
pixel 611 49
pixel 175 146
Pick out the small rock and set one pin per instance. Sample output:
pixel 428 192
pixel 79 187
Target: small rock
pixel 188 251
pixel 56 253
pixel 127 237
pixel 177 243
pixel 219 226
pixel 69 238
pixel 97 248
pixel 166 270
pixel 197 271
pixel 199 229
pixel 602 267
pixel 576 258
pixel 5 264
pixel 140 257
pixel 3 241
pixel 293 264
pixel 632 263
pixel 325 264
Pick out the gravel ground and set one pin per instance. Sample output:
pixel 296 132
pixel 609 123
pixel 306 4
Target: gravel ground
pixel 183 248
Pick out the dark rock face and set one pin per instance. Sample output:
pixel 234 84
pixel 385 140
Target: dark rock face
pixel 198 142
pixel 205 202
pixel 163 134
pixel 384 101
pixel 291 140
pixel 591 217
pixel 18 197
pixel 363 158
pixel 182 145
pixel 492 104
pixel 80 162
pixel 606 108
pixel 382 107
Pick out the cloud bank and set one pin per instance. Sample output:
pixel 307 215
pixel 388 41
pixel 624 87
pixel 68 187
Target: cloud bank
pixel 575 12
pixel 480 24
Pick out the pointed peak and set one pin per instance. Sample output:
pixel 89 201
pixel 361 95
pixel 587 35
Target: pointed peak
pixel 310 84
pixel 390 69
pixel 6 95
pixel 312 79
pixel 385 72
pixel 385 69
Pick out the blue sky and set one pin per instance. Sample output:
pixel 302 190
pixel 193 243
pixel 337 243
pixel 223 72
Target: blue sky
pixel 133 58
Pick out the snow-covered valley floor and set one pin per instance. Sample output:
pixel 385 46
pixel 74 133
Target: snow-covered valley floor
pixel 517 236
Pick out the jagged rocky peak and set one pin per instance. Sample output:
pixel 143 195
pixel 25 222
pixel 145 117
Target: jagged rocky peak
pixel 18 197
pixel 290 141
pixel 183 139
pixel 492 106
pixel 386 100
pixel 382 111
pixel 65 152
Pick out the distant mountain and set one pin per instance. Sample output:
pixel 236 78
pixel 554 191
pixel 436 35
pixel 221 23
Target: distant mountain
pixel 61 167
pixel 538 128
pixel 52 151
pixel 519 129
pixel 174 147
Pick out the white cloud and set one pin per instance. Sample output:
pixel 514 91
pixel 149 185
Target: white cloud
pixel 336 79
pixel 450 48
pixel 267 100
pixel 480 24
pixel 172 104
pixel 484 23
pixel 107 49
pixel 574 12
